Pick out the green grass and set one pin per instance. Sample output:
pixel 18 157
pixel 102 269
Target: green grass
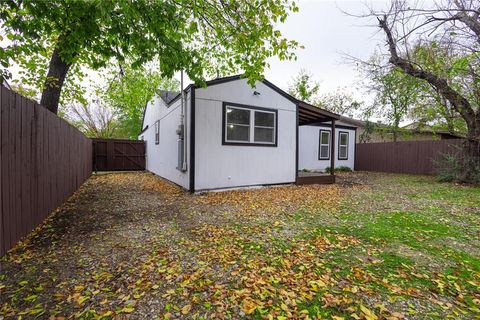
pixel 416 225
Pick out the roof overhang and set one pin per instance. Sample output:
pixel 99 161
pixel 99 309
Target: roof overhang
pixel 308 114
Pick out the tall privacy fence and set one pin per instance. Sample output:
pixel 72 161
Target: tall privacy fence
pixel 413 157
pixel 43 160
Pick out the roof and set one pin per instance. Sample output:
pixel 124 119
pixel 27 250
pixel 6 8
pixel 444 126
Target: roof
pixel 307 112
pixel 355 122
pixel 168 96
pixel 424 128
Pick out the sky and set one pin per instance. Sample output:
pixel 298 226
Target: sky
pixel 327 34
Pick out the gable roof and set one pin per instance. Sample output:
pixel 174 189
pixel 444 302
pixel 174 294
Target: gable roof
pixel 168 96
pixel 307 112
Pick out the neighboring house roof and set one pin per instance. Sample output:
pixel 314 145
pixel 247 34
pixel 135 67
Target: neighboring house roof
pixel 355 122
pixel 424 128
pixel 168 96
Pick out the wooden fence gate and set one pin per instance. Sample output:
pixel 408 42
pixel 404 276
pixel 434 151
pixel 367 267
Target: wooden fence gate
pixel 118 154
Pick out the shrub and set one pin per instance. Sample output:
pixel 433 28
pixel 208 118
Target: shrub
pixel 339 169
pixel 456 167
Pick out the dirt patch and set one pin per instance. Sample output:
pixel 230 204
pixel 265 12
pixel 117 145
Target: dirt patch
pixel 134 245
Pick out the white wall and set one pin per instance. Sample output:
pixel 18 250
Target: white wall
pixel 224 166
pixel 161 158
pixel 309 139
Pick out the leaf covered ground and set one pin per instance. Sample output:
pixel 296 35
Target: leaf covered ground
pixel 131 245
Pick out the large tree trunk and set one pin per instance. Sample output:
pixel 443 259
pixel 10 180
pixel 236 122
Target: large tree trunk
pixel 471 150
pixel 57 72
pixel 472 145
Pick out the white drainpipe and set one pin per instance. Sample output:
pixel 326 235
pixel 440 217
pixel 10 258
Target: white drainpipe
pixel 184 112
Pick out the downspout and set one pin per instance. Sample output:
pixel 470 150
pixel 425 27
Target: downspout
pixel 184 112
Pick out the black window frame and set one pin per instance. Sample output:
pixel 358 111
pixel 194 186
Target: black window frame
pixel 348 142
pixel 320 144
pixel 157 132
pixel 251 127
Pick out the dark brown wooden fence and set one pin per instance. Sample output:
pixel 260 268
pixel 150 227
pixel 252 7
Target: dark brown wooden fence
pixel 118 154
pixel 413 157
pixel 43 160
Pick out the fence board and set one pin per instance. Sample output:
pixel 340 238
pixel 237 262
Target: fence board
pixel 413 157
pixel 118 154
pixel 43 160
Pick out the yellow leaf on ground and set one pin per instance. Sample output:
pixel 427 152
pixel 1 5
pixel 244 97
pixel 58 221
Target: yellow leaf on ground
pixel 369 315
pixel 127 310
pixel 249 307
pixel 186 309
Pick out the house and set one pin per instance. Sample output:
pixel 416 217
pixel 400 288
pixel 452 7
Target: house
pixel 377 132
pixel 315 146
pixel 424 130
pixel 228 135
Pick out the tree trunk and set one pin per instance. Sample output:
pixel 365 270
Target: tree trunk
pixel 57 72
pixel 473 141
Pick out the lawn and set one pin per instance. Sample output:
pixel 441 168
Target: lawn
pixel 373 246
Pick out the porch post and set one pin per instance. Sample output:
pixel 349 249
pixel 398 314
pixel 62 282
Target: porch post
pixel 296 142
pixel 332 149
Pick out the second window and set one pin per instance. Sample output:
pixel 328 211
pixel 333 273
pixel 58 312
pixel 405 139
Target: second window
pixel 249 125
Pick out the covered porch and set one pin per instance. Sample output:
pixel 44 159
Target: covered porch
pixel 306 115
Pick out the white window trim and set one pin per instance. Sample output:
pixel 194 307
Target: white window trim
pixel 251 126
pixel 324 144
pixel 343 145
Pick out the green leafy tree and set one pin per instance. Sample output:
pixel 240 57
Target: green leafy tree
pixel 199 36
pixel 395 93
pixel 304 87
pixel 432 108
pixel 367 131
pixel 341 102
pixel 129 91
pixel 455 25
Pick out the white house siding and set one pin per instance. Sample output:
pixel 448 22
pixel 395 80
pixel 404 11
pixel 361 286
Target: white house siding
pixel 309 139
pixel 161 158
pixel 224 166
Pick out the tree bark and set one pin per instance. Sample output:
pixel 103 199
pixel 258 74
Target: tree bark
pixel 458 102
pixel 57 72
pixel 471 148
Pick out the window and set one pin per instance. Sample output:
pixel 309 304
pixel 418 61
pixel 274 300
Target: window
pixel 342 145
pixel 244 125
pixel 157 132
pixel 324 148
pixel 264 127
pixel 238 125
